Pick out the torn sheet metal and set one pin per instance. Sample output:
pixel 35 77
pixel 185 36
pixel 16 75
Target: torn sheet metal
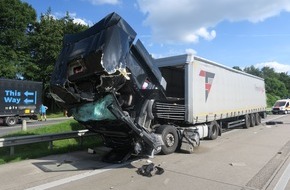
pixel 190 140
pixel 100 60
pixel 110 39
pixel 104 80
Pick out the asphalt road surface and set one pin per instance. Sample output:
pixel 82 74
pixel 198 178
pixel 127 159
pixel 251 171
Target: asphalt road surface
pixel 241 159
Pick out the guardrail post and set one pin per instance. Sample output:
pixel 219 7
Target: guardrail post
pixel 81 134
pixel 81 141
pixel 11 150
pixel 24 127
pixel 50 143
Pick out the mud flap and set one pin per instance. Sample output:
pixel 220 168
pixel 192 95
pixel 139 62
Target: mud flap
pixel 190 140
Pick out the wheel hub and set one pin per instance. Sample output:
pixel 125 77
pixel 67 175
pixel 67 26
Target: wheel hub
pixel 170 140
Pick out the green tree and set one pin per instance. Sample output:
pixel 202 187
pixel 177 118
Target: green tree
pixel 271 99
pixel 46 41
pixel 268 72
pixel 253 71
pixel 285 78
pixel 46 44
pixel 16 19
pixel 237 68
pixel 70 27
pixel 276 87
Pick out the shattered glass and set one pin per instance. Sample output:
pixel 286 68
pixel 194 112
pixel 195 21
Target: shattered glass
pixel 95 111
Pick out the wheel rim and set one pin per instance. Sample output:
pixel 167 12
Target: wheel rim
pixel 169 139
pixel 11 121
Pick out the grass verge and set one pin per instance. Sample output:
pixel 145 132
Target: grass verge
pixel 36 150
pixel 55 115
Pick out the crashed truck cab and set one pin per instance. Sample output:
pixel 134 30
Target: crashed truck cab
pixel 111 86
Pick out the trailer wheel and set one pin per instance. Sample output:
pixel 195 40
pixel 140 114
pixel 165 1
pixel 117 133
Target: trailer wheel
pixel 10 121
pixel 258 119
pixel 213 130
pixel 263 115
pixel 252 120
pixel 247 121
pixel 169 137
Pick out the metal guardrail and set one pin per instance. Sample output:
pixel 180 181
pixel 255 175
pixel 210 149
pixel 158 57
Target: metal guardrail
pixel 22 140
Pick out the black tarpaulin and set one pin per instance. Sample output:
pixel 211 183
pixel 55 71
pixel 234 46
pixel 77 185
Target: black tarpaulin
pixel 111 38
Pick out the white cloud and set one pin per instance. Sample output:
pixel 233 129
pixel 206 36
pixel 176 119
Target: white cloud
pixel 278 67
pixel 190 51
pixel 79 20
pixel 101 2
pixel 190 20
pixel 75 18
pixel 82 21
pixel 202 32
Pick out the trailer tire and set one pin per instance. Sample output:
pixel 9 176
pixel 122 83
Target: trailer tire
pixel 10 121
pixel 258 119
pixel 170 138
pixel 213 130
pixel 252 120
pixel 263 115
pixel 247 121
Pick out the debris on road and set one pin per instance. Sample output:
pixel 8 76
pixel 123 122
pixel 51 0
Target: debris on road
pixel 150 170
pixel 274 122
pixel 91 151
pixel 237 164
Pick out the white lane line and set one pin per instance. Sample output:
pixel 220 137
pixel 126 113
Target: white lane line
pixel 284 179
pixel 76 177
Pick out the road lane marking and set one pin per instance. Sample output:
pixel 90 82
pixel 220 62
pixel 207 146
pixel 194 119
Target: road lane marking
pixel 266 174
pixel 284 179
pixel 76 177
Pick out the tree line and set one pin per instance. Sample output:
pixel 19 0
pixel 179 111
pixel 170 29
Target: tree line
pixel 29 48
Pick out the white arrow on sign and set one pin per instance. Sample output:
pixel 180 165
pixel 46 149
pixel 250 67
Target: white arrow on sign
pixel 27 93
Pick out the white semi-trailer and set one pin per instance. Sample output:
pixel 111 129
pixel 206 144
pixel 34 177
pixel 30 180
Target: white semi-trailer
pixel 214 95
pixel 139 105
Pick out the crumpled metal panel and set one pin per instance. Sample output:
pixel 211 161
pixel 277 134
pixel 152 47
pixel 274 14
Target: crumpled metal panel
pixel 112 36
pixel 104 80
pixel 103 54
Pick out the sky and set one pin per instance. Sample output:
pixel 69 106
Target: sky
pixel 230 32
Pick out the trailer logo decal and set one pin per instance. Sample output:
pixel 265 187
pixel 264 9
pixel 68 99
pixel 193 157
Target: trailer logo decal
pixel 208 76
